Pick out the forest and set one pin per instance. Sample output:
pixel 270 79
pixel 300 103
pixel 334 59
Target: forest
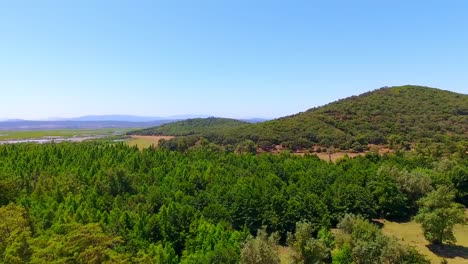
pixel 218 193
pixel 96 202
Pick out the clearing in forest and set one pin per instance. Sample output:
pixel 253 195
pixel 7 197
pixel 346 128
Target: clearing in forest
pixel 412 234
pixel 146 141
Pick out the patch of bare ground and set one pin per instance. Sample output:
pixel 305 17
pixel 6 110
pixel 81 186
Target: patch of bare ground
pixel 338 155
pixel 322 153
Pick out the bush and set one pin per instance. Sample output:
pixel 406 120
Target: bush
pixel 261 250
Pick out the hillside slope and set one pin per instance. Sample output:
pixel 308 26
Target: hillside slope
pixel 403 115
pixel 195 126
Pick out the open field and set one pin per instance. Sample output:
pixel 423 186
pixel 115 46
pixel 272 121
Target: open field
pixel 64 133
pixel 145 141
pixel 411 233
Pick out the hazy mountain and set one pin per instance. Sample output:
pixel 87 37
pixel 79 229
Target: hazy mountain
pixel 254 120
pixel 123 118
pixel 57 125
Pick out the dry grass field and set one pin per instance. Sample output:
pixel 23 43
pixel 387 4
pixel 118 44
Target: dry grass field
pixel 146 141
pixel 284 253
pixel 411 233
pixel 334 157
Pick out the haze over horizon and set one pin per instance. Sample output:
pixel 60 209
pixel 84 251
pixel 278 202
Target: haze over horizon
pixel 236 59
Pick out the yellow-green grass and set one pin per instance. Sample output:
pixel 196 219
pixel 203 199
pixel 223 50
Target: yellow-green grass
pixel 284 254
pixel 145 141
pixel 36 134
pixel 411 234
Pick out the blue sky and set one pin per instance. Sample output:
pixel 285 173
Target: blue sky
pixel 233 58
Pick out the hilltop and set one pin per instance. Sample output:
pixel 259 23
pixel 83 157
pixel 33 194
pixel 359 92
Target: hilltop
pixel 403 116
pixel 195 126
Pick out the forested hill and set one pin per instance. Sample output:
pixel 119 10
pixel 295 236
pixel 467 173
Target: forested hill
pixel 399 114
pixel 195 126
pixel 407 116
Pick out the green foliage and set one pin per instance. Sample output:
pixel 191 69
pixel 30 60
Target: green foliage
pixel 342 255
pixel 458 175
pixel 209 243
pixel 196 126
pixel 95 202
pixel 363 242
pixel 308 249
pixel 157 254
pixel 261 249
pixel 14 234
pixel 438 214
pixel 9 189
pixel 76 243
pixel 411 185
pixel 247 146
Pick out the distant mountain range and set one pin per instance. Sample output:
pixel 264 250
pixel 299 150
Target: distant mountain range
pixel 58 125
pixel 99 121
pixel 125 118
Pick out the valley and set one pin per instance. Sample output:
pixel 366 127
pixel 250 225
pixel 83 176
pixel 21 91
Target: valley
pixel 213 189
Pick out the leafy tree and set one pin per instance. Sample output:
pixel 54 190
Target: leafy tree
pixel 247 146
pixel 9 189
pixel 14 233
pixel 158 254
pixel 342 255
pixel 438 214
pixel 459 177
pixel 308 249
pixel 365 243
pixel 209 243
pixel 77 243
pixel 262 249
pixel 174 221
pixel 390 202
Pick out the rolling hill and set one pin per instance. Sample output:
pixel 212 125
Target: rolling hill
pixel 195 126
pixel 402 115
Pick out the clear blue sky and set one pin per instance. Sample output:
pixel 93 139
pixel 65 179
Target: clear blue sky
pixel 237 58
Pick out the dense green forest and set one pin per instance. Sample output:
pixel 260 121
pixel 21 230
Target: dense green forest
pixel 409 117
pixel 195 126
pixel 98 202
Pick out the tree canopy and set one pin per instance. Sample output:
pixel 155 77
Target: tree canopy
pixel 95 202
pixel 438 214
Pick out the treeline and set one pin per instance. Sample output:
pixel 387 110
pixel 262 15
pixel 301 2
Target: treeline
pixel 405 117
pixel 95 202
pixel 195 126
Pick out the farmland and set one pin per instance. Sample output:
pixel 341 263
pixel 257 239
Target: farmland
pixel 64 133
pixel 145 141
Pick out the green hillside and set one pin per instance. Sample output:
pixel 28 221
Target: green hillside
pixel 196 126
pixel 404 116
pixel 400 114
